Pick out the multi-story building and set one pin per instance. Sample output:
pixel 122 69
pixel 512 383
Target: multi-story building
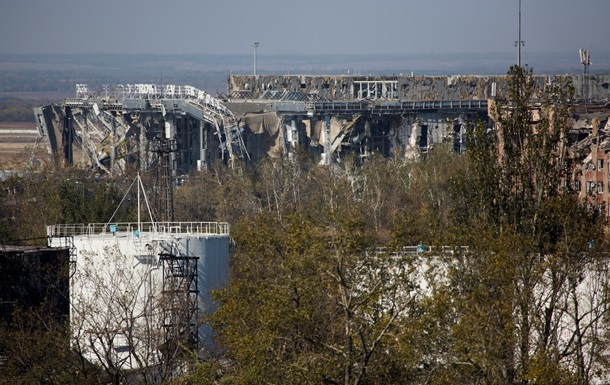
pixel 591 172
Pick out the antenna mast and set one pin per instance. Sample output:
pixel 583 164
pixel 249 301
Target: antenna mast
pixel 256 44
pixel 519 43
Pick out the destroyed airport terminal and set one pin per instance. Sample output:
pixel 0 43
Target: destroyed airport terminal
pixel 179 129
pixel 110 127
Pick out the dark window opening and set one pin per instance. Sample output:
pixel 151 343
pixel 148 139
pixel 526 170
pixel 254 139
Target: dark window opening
pixel 423 138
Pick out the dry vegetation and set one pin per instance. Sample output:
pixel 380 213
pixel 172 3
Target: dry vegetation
pixel 20 144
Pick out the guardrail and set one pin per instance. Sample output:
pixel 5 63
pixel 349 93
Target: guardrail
pixel 389 106
pixel 122 92
pixel 67 230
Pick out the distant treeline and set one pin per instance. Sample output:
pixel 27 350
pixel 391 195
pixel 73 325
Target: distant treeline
pixel 36 81
pixel 60 73
pixel 18 110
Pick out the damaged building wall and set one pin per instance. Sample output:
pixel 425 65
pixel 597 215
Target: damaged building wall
pixel 267 133
pixel 591 153
pixel 49 126
pixel 381 114
pixel 411 88
pixel 119 125
pixel 263 134
pixel 275 115
pixel 113 140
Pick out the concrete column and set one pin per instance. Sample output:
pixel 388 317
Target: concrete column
pixel 170 134
pixel 202 163
pixel 292 136
pixel 326 140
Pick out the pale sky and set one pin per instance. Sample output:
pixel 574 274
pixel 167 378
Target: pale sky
pixel 301 27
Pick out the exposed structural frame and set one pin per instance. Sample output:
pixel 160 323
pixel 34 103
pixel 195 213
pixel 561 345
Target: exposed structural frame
pixel 164 191
pixel 153 91
pixel 273 115
pixel 115 124
pixel 333 129
pixel 213 111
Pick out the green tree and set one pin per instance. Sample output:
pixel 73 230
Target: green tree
pixel 528 239
pixel 312 302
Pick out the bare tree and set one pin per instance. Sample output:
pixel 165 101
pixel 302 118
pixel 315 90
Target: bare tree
pixel 117 314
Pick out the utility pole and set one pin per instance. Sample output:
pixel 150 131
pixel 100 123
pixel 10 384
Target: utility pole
pixel 256 44
pixel 585 59
pixel 519 43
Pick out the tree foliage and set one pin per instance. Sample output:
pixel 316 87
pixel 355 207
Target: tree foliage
pixel 314 304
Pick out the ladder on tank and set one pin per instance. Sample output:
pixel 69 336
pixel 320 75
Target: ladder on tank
pixel 180 306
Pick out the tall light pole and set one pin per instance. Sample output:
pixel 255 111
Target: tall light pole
pixel 519 43
pixel 256 44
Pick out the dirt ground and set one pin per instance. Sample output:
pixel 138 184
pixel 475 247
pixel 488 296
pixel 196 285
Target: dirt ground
pixel 20 145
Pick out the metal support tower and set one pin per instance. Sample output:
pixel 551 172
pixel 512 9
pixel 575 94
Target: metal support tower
pixel 164 197
pixel 68 243
pixel 180 310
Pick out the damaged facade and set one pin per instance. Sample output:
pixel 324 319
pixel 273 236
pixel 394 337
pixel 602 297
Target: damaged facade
pixel 404 88
pixel 123 125
pixel 389 115
pixel 591 154
pixel 331 116
pixel 326 116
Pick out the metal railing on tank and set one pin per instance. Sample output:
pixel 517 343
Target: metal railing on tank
pixel 78 229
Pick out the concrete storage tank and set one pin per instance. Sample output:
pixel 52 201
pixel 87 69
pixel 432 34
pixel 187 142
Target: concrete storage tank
pixel 138 290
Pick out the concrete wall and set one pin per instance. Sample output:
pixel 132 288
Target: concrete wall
pixel 134 141
pixel 389 135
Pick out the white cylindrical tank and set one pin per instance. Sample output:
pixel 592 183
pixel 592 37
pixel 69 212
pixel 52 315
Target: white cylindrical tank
pixel 212 274
pixel 127 285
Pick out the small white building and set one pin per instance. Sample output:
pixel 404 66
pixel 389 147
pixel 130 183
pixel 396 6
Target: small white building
pixel 139 292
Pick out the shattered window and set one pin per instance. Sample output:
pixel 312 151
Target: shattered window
pixel 600 164
pixel 600 187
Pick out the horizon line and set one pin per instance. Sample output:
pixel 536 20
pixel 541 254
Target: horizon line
pixel 291 54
